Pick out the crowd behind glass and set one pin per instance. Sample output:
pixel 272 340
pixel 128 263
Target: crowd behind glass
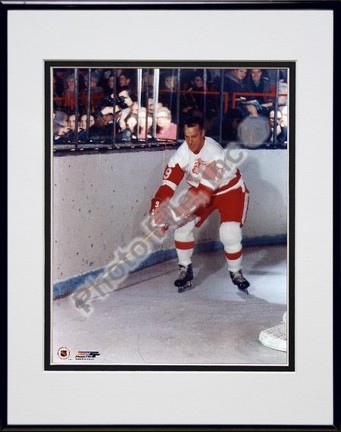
pixel 128 108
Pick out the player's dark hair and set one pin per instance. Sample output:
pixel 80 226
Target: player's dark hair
pixel 194 121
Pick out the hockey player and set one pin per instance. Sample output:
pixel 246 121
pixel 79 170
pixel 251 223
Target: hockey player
pixel 215 184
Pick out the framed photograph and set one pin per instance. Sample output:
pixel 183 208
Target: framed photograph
pixel 171 216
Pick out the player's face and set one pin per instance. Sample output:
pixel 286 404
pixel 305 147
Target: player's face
pixel 195 138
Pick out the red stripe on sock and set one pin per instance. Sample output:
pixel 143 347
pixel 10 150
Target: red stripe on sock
pixel 184 245
pixel 233 256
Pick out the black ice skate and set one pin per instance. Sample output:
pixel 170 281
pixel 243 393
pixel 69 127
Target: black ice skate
pixel 239 280
pixel 184 280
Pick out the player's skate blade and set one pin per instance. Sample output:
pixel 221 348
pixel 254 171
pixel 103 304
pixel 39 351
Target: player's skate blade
pixel 239 280
pixel 186 287
pixel 184 280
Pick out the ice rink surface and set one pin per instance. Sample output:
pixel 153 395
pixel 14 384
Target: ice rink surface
pixel 147 322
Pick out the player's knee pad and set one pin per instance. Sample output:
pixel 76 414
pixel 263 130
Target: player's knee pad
pixel 185 232
pixel 231 236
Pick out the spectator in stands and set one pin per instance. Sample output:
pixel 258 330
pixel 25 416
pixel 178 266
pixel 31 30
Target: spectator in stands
pixel 109 85
pixel 96 92
pixel 125 80
pixel 190 100
pixel 58 90
pixel 276 75
pixel 60 127
pixel 59 80
pixel 131 127
pixel 278 134
pixel 145 124
pixel 234 84
pixel 170 81
pixel 284 111
pixel 253 107
pixel 134 108
pixel 166 130
pixel 257 82
pixel 72 125
pixel 283 93
pixel 92 133
pixel 118 113
pixel 187 77
pixel 147 86
pixel 122 112
pixel 71 122
pixel 168 94
pixel 195 96
pixel 82 133
pixel 83 122
pixel 127 97
pixel 281 83
pixel 105 125
pixel 231 122
pixel 151 107
pixel 69 93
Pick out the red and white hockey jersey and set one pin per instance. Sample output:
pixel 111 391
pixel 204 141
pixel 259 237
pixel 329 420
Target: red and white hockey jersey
pixel 210 169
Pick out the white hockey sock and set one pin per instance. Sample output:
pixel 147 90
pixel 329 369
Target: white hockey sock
pixel 184 243
pixel 184 256
pixel 231 236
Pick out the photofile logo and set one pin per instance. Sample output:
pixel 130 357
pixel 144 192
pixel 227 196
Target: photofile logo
pixel 87 355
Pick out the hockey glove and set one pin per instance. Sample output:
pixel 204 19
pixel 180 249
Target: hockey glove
pixel 156 215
